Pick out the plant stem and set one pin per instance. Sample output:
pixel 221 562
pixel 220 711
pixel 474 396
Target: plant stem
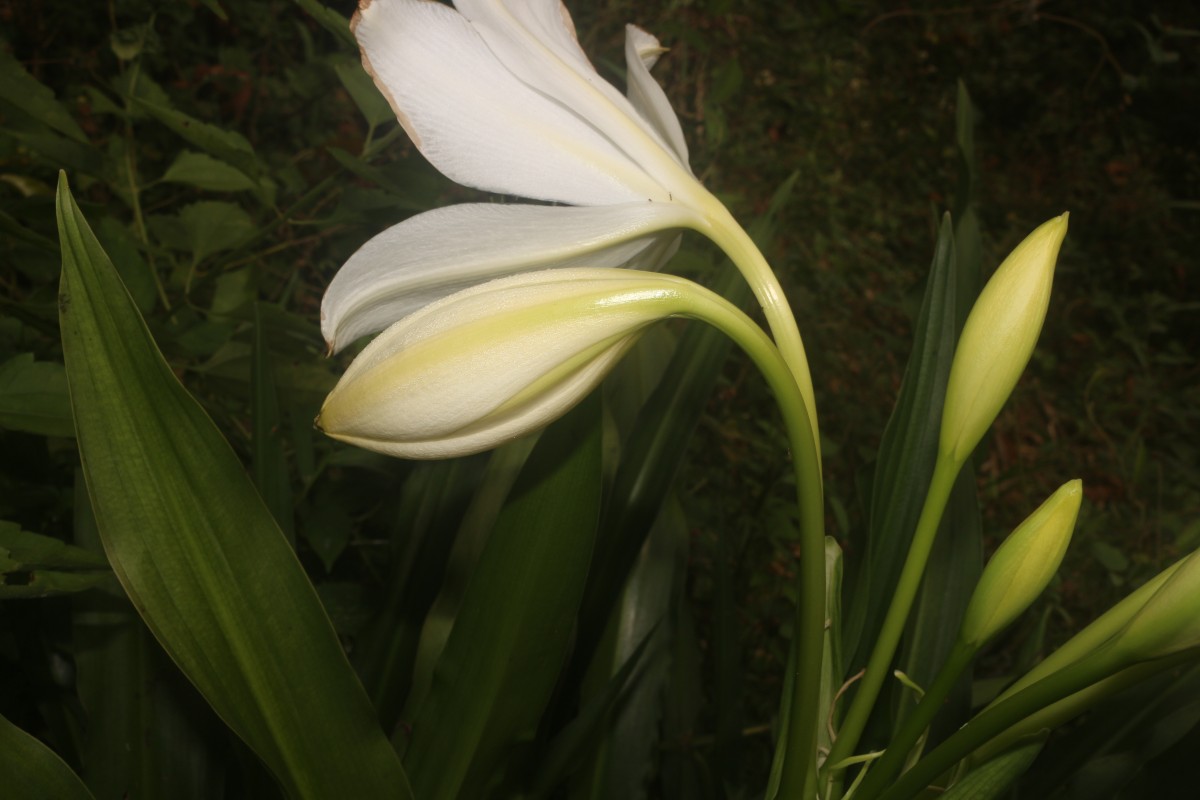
pixel 798 777
pixel 944 474
pixel 727 234
pixel 885 770
pixel 995 720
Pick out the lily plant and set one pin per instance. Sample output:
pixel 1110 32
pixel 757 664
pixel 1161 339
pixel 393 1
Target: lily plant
pixel 498 95
pixel 496 327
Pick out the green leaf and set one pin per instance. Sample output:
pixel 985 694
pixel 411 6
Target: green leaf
pixel 215 7
pixel 906 455
pixel 199 554
pixel 147 732
pixel 204 228
pixel 630 750
pixel 434 501
pixel 511 635
pixel 363 91
pixel 33 565
pixel 270 464
pixel 33 397
pixel 330 20
pixel 991 780
pixel 34 98
pixel 951 573
pixel 228 146
pixel 205 172
pixel 33 771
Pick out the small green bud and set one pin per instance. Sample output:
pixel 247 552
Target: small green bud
pixel 1022 566
pixel 998 338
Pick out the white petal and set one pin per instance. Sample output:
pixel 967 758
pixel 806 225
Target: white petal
pixel 522 422
pixel 480 125
pixel 441 251
pixel 641 53
pixel 535 40
pixel 495 361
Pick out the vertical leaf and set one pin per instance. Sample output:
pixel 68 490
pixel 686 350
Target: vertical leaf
pixel 906 454
pixel 197 551
pixel 511 635
pixel 270 467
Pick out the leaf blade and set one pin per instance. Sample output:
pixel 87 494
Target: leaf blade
pixel 215 581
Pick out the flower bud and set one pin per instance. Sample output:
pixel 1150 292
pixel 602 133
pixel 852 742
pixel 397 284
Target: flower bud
pixel 998 338
pixel 1169 622
pixel 494 362
pixel 1022 566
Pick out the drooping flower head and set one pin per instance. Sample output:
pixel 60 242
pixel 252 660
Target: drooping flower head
pixel 499 96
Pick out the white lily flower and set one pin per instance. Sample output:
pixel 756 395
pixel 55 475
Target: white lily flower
pixel 499 96
pixel 496 361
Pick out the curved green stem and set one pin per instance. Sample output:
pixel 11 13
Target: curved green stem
pixel 720 226
pixel 944 474
pixel 885 770
pixel 798 777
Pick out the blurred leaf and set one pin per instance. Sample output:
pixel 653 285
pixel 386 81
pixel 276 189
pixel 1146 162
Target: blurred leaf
pixel 33 771
pixel 269 463
pixel 992 779
pixel 198 552
pixel 33 397
pixel 362 89
pixel 435 500
pixel 330 20
pixel 215 7
pixel 630 750
pixel 205 172
pixel 34 98
pixel 564 754
pixel 32 565
pixel 204 228
pixel 504 466
pixel 228 146
pixel 511 635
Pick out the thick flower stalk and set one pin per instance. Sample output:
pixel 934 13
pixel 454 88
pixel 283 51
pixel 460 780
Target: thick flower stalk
pixel 498 95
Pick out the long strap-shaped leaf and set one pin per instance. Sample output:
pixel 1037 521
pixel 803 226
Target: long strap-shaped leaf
pixel 514 625
pixel 199 554
pixel 32 771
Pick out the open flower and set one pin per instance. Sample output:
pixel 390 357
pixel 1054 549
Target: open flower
pixel 499 96
pixel 496 361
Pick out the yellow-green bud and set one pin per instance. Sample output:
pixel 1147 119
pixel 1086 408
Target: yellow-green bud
pixel 1022 566
pixel 998 338
pixel 496 361
pixel 1169 622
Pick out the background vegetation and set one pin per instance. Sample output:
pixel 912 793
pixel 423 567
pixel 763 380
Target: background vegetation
pixel 1089 108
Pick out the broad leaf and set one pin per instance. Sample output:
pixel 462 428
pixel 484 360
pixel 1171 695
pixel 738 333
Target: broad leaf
pixel 199 554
